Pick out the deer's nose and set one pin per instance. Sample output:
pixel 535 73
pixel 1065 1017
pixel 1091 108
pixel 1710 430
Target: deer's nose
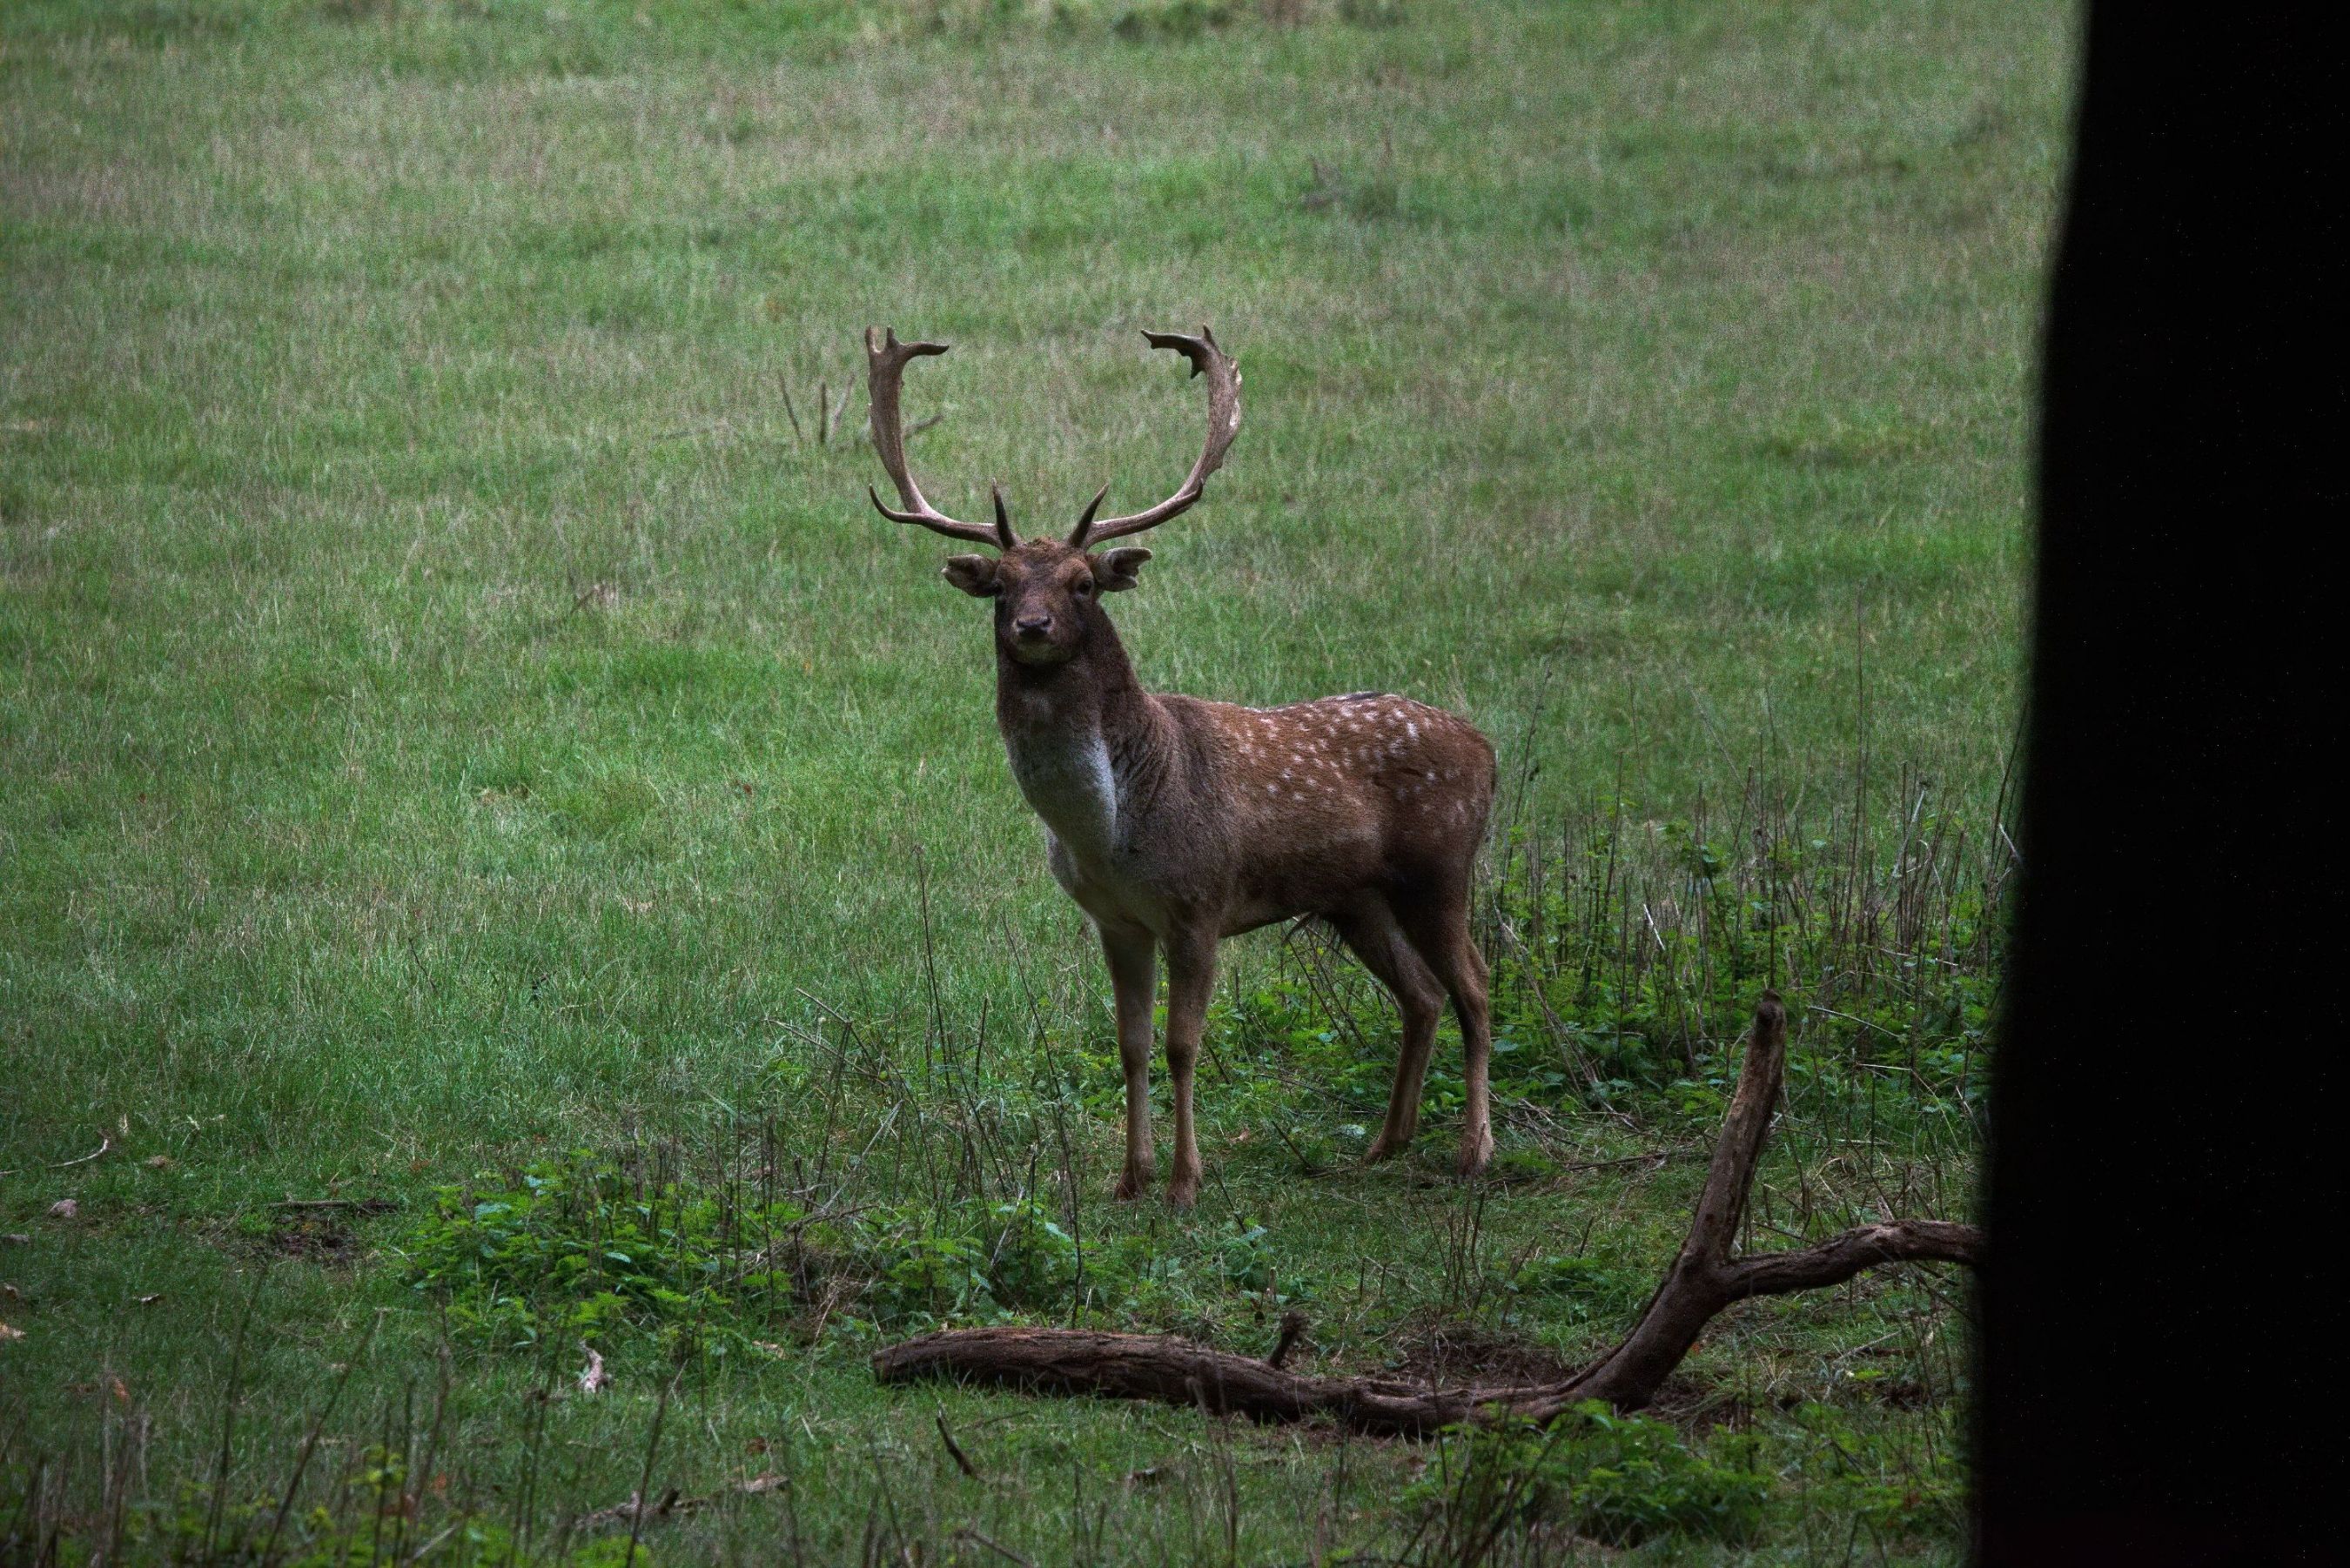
pixel 1031 625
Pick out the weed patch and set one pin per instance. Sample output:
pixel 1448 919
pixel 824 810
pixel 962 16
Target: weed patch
pixel 587 1247
pixel 1620 1479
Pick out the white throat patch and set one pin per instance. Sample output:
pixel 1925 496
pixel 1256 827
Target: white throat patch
pixel 1066 777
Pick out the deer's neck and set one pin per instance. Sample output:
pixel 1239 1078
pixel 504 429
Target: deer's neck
pixel 1082 737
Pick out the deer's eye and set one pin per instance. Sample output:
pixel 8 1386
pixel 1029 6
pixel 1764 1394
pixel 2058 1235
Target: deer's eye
pixel 1082 587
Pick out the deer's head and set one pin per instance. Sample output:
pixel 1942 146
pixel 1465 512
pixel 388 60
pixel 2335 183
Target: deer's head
pixel 1047 591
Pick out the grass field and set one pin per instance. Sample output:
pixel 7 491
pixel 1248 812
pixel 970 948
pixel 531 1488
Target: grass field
pixel 455 712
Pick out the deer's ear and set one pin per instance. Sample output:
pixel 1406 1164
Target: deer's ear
pixel 974 574
pixel 1114 569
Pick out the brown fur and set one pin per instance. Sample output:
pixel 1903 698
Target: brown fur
pixel 1175 822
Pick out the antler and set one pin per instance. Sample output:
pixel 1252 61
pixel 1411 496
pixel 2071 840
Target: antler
pixel 1223 424
pixel 885 368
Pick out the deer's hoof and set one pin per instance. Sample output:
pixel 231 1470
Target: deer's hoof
pixel 1183 1192
pixel 1475 1154
pixel 1382 1150
pixel 1131 1186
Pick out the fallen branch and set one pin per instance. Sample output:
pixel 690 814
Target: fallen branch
pixel 1652 1156
pixel 104 1143
pixel 1703 1280
pixel 954 1450
pixel 968 1534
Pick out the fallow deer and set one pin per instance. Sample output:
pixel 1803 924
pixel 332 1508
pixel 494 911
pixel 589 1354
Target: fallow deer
pixel 1175 822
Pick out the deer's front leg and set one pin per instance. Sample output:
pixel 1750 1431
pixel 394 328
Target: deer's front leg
pixel 1133 958
pixel 1191 978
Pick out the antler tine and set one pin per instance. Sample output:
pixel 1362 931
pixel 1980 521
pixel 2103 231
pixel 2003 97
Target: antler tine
pixel 1004 535
pixel 885 368
pixel 1223 375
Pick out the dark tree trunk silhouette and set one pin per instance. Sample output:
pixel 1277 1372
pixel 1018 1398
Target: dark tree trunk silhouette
pixel 2164 1114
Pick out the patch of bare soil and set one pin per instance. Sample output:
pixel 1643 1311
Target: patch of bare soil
pixel 1694 1406
pixel 1451 1355
pixel 1905 1394
pixel 313 1237
pixel 321 1232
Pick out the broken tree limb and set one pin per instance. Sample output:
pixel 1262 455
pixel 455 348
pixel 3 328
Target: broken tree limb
pixel 1292 1329
pixel 1836 1259
pixel 1703 1280
pixel 1175 1372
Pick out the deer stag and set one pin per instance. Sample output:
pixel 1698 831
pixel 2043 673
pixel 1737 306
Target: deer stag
pixel 1175 822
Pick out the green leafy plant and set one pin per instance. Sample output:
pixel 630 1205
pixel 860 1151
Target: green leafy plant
pixel 1858 1473
pixel 1033 1263
pixel 576 1246
pixel 1245 1253
pixel 930 1274
pixel 1620 1479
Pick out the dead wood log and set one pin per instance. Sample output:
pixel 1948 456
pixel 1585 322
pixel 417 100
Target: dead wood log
pixel 1703 1280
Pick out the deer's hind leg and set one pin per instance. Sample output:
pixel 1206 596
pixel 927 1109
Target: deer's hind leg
pixel 1436 925
pixel 1369 930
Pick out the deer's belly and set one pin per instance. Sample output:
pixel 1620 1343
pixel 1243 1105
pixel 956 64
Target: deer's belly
pixel 1131 889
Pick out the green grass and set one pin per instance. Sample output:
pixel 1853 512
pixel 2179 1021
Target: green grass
pixel 449 716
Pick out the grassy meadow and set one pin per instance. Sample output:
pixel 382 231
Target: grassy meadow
pixel 469 754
